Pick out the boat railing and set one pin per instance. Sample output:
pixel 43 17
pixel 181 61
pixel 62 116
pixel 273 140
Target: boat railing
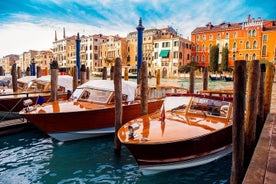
pixel 23 93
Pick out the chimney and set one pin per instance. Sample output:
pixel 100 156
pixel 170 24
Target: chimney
pixel 63 33
pixel 248 18
pixel 55 36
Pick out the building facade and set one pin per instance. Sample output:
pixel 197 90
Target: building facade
pixel 245 41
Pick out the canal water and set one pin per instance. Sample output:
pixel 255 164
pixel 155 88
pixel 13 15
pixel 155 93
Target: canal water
pixel 33 157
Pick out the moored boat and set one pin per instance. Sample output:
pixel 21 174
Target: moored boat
pixel 188 131
pixel 89 112
pixel 30 87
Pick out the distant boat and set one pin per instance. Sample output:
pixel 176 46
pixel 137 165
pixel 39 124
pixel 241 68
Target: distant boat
pixel 30 87
pixel 90 111
pixel 132 72
pixel 228 78
pixel 188 131
pixel 215 77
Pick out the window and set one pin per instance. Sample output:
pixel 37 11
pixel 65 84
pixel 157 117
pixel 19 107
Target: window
pixel 254 56
pixel 175 54
pixel 180 55
pixel 197 38
pixel 203 58
pixel 210 37
pixel 175 43
pixel 203 47
pixel 227 35
pixel 234 57
pixel 247 45
pixel 197 48
pixel 188 56
pixel 249 33
pixel 166 44
pixel 235 35
pixel 264 51
pixel 255 45
pixel 265 38
pixel 253 32
pixel 218 36
pixel 246 57
pixel 204 37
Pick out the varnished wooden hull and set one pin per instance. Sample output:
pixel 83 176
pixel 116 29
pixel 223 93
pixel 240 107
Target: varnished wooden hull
pixel 154 158
pixel 15 104
pixel 82 123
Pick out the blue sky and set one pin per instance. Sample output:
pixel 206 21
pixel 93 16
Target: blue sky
pixel 31 24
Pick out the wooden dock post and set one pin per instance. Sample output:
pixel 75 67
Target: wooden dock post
pixel 205 78
pixel 144 88
pixel 14 78
pixel 38 71
pixel 126 73
pixel 83 74
pixel 28 71
pixel 260 106
pixel 87 74
pixel 112 73
pixel 192 79
pixel 2 73
pixel 104 76
pixel 269 77
pixel 54 80
pixel 19 72
pixel 75 78
pixel 158 75
pixel 118 103
pixel 251 110
pixel 237 171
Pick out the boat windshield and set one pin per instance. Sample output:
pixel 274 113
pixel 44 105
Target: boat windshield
pixel 95 95
pixel 209 107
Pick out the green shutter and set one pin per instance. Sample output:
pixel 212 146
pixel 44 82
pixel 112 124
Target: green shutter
pixel 164 53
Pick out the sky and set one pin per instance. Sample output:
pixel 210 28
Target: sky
pixel 31 24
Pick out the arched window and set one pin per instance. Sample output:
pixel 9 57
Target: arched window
pixel 234 57
pixel 227 35
pixel 255 45
pixel 203 58
pixel 246 57
pixel 254 32
pixel 254 56
pixel 247 45
pixel 249 33
pixel 203 47
pixel 235 34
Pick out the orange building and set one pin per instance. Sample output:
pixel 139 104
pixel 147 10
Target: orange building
pixel 250 40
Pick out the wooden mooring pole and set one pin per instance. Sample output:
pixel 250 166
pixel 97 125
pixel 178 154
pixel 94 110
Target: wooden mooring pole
pixel 237 170
pixel 2 73
pixel 14 78
pixel 205 78
pixel 38 71
pixel 126 74
pixel 54 80
pixel 118 103
pixel 19 72
pixel 87 74
pixel 260 106
pixel 269 77
pixel 75 78
pixel 192 79
pixel 104 76
pixel 83 74
pixel 158 75
pixel 251 110
pixel 112 73
pixel 144 88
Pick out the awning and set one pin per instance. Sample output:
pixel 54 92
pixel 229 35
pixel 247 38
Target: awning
pixel 164 53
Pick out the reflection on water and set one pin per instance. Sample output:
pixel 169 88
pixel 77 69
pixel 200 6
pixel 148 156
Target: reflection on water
pixel 33 157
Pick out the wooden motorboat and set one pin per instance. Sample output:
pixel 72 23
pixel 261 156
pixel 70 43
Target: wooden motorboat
pixel 188 131
pixel 89 112
pixel 218 92
pixel 30 87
